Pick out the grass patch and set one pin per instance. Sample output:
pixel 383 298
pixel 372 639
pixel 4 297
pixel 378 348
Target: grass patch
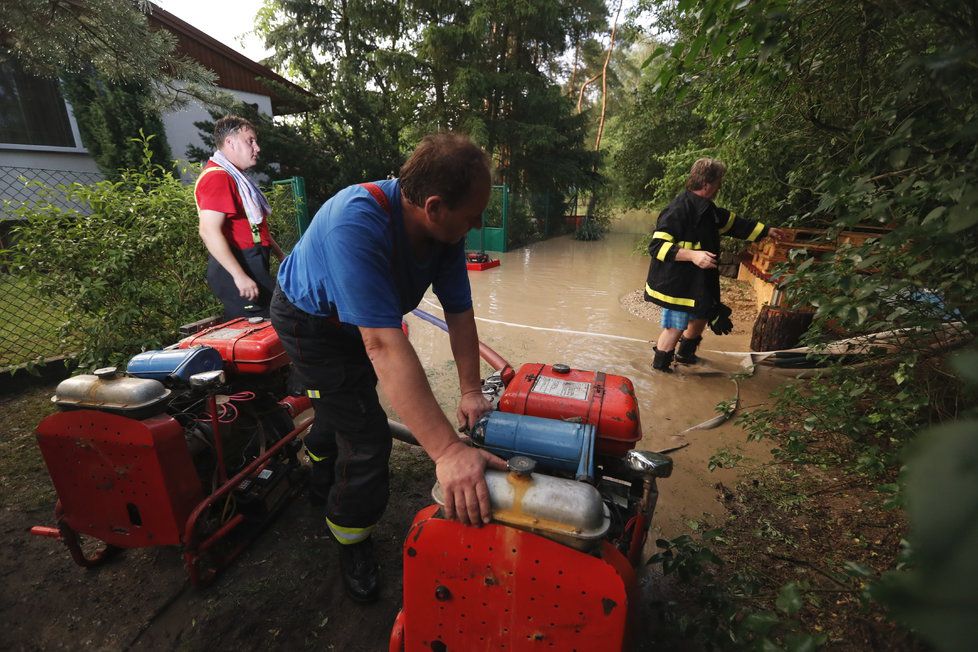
pixel 29 323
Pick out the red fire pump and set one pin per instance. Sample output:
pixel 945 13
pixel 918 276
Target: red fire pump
pixel 195 445
pixel 556 567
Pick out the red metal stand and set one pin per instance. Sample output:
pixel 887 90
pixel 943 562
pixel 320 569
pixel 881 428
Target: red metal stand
pixel 97 460
pixel 194 548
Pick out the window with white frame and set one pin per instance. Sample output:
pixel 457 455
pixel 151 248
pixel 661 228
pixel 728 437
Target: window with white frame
pixel 33 111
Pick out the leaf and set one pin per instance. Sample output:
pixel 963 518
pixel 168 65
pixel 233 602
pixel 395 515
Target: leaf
pixel 898 157
pixel 937 597
pixel 658 52
pixel 760 622
pixel 966 364
pixel 857 570
pixel 965 213
pixel 804 642
pixel 694 49
pixel 920 267
pixel 934 214
pixel 789 599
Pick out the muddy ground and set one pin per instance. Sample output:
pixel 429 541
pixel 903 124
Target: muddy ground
pixel 284 591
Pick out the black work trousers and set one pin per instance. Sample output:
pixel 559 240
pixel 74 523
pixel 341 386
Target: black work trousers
pixel 255 262
pixel 350 429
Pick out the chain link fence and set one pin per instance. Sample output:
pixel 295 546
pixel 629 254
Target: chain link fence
pixel 31 325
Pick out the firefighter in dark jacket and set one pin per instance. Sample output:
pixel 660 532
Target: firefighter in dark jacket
pixel 683 276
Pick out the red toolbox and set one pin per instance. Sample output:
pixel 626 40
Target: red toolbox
pixel 605 401
pixel 248 345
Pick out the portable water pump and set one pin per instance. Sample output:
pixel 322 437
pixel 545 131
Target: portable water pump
pixel 556 567
pixel 195 445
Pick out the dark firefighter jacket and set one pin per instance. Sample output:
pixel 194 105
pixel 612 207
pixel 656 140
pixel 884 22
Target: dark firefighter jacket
pixel 691 222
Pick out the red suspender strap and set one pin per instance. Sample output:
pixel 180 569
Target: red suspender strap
pixel 379 195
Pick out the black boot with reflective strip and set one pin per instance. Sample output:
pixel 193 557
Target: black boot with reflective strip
pixel 686 351
pixel 662 360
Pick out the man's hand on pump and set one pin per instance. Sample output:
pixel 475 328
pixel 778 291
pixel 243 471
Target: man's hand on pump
pixel 461 473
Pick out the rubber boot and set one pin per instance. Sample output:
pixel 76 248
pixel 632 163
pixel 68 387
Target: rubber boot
pixel 360 571
pixel 686 351
pixel 662 360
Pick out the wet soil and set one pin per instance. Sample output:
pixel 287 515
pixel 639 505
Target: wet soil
pixel 555 301
pixel 283 591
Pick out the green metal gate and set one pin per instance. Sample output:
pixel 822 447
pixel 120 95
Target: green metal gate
pixel 495 222
pixel 301 208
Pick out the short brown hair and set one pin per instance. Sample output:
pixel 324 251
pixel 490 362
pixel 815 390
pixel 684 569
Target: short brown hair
pixel 704 171
pixel 446 165
pixel 228 125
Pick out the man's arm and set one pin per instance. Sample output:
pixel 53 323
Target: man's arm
pixel 210 232
pixel 465 349
pixel 275 248
pixel 699 257
pixel 458 467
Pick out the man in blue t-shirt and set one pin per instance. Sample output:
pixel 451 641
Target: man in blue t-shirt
pixel 368 257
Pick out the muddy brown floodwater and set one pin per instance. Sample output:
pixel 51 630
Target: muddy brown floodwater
pixel 565 301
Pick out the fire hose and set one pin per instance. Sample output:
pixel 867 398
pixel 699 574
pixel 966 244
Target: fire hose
pixel 492 358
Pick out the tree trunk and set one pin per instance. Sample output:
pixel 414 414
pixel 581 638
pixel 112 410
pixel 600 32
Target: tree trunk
pixel 591 204
pixel 604 79
pixel 580 96
pixel 777 328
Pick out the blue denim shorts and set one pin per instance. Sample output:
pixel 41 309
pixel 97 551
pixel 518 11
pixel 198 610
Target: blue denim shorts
pixel 675 318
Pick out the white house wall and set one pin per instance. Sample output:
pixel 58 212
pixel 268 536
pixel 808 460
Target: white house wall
pixel 181 132
pixel 20 165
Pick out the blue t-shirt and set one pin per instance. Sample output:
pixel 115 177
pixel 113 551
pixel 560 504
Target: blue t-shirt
pixel 354 262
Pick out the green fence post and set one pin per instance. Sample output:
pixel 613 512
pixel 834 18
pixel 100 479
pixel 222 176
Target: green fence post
pixel 505 243
pixel 546 214
pixel 301 206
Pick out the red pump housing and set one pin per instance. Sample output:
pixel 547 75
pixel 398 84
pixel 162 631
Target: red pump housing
pixel 499 588
pixel 605 401
pixel 247 346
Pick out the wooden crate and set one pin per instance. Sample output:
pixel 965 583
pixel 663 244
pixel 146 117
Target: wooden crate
pixel 766 256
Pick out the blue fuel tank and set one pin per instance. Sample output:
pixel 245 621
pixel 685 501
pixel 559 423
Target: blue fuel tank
pixel 557 445
pixel 174 365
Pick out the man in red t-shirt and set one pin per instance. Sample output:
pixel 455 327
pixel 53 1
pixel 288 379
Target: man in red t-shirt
pixel 233 222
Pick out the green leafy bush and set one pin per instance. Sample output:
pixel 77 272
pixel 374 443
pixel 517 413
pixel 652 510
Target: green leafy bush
pixel 130 266
pixel 590 229
pixel 869 414
pixel 729 612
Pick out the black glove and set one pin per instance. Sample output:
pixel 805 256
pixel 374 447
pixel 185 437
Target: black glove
pixel 720 321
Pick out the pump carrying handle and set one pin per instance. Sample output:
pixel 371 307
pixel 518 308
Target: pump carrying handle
pixel 493 359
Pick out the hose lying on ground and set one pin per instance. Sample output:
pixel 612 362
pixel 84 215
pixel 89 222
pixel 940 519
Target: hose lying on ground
pixel 492 358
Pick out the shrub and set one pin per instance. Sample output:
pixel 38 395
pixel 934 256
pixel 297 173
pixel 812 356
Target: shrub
pixel 129 268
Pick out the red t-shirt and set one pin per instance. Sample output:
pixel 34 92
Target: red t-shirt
pixel 217 191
